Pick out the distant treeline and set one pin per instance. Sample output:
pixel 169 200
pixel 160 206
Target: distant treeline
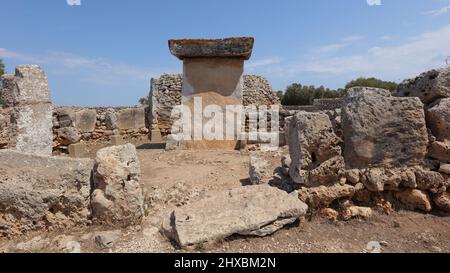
pixel 297 94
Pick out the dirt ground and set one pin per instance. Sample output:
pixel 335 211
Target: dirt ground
pixel 176 178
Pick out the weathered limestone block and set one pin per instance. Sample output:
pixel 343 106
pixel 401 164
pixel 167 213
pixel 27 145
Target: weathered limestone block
pixel 323 196
pixel 381 179
pixel 32 85
pixel 9 90
pixel 243 210
pixel 438 119
pixel 328 172
pixel 311 142
pixel 32 128
pixel 415 199
pixel 85 120
pixel 240 47
pixel 440 151
pixel 131 118
pixel 111 120
pixel 118 198
pixel 428 86
pixel 381 130
pixel 257 170
pixel 5 127
pixel 68 135
pixel 66 117
pixel 442 201
pixel 30 112
pixel 429 180
pixel 42 192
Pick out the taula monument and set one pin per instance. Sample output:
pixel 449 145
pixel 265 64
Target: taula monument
pixel 213 65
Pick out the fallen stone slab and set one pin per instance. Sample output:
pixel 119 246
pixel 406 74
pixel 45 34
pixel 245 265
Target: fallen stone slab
pixel 38 193
pixel 253 210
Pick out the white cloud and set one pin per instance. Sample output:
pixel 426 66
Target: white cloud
pixel 263 62
pixel 374 2
pixel 440 11
pixel 345 42
pixel 415 55
pixel 95 70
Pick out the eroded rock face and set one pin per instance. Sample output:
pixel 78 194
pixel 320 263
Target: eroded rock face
pixel 118 198
pixel 243 210
pixel 328 172
pixel 131 118
pixel 381 130
pixel 428 86
pixel 42 192
pixel 312 141
pixel 438 119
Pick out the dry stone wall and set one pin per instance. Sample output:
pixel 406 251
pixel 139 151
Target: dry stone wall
pixel 73 125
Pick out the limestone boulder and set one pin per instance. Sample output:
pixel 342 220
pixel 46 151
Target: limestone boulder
pixel 85 120
pixel 111 120
pixel 38 193
pixel 258 170
pixel 328 172
pixel 438 119
pixel 243 210
pixel 429 180
pixel 428 86
pixel 381 179
pixel 117 199
pixel 323 196
pixel 312 141
pixel 381 130
pixel 440 150
pixel 442 201
pixel 66 117
pixel 415 199
pixel 68 135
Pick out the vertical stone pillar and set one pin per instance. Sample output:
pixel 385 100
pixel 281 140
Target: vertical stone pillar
pixel 28 101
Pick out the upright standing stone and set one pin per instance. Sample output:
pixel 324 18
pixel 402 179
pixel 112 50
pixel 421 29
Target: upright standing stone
pixel 381 130
pixel 31 117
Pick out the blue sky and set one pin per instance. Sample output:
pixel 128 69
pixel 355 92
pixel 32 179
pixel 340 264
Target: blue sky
pixel 104 52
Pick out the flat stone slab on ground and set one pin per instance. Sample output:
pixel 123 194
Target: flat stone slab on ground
pixel 252 210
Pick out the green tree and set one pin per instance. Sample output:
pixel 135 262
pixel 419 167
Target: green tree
pixel 143 101
pixel 2 71
pixel 373 82
pixel 297 94
pixel 280 94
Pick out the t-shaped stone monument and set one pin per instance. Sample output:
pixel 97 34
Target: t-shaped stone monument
pixel 212 70
pixel 213 65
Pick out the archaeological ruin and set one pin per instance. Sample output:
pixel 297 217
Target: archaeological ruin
pixel 68 169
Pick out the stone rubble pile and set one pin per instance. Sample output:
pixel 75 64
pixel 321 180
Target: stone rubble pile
pixel 379 151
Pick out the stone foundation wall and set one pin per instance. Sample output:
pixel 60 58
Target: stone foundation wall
pixel 73 125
